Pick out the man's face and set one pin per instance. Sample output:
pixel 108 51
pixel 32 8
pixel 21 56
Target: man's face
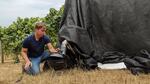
pixel 40 32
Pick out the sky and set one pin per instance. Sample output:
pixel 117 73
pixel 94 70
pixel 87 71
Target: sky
pixel 11 9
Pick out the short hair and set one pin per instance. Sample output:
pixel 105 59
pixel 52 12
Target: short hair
pixel 39 25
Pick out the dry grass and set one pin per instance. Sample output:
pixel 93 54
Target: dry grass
pixel 10 72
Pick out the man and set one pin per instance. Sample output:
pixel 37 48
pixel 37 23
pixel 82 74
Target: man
pixel 33 49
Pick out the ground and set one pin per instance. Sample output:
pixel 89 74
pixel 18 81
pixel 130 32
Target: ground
pixel 10 73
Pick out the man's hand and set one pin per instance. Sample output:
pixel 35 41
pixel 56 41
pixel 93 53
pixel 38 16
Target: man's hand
pixel 27 65
pixel 54 51
pixel 51 48
pixel 57 49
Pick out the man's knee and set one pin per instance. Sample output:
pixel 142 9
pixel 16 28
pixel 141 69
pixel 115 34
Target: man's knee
pixel 46 53
pixel 35 72
pixel 35 69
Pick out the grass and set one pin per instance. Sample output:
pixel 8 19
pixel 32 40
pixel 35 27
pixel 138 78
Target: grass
pixel 10 72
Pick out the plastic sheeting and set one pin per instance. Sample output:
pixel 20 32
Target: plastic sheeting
pixel 99 26
pixel 112 66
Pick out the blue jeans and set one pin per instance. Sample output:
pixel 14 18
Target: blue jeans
pixel 35 68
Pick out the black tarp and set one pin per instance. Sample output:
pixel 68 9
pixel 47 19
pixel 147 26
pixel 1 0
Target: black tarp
pixel 100 26
pixel 139 64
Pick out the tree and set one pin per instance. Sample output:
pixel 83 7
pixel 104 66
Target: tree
pixel 52 20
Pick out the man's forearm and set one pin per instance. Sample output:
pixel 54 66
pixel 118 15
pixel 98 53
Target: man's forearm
pixel 25 56
pixel 51 48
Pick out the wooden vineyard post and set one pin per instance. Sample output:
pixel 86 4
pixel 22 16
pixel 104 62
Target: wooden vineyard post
pixel 1 52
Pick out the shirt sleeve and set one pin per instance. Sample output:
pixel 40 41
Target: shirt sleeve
pixel 25 43
pixel 47 39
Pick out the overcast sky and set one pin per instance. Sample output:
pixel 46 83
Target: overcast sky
pixel 11 9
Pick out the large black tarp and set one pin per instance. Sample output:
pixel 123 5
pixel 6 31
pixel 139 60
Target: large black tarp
pixel 100 26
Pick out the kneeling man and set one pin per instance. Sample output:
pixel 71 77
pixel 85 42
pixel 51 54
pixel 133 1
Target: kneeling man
pixel 33 49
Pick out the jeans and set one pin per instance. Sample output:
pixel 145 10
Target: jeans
pixel 35 68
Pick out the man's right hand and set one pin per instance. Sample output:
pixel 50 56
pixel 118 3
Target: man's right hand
pixel 27 65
